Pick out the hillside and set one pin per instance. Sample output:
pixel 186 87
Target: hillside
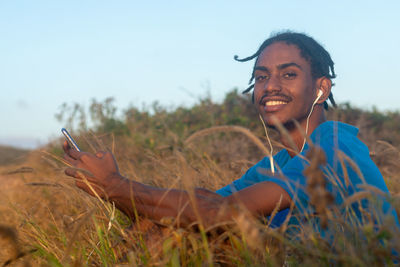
pixel 11 155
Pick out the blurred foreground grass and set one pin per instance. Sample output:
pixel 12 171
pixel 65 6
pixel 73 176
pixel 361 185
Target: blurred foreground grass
pixel 47 221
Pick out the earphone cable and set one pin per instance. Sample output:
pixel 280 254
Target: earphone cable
pixel 271 149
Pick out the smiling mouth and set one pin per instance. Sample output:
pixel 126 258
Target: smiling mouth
pixel 272 103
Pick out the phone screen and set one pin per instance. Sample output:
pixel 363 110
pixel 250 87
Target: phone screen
pixel 70 140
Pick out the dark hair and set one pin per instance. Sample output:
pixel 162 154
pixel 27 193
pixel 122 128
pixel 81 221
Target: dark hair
pixel 319 59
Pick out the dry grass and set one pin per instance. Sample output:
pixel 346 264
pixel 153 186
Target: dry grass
pixel 47 221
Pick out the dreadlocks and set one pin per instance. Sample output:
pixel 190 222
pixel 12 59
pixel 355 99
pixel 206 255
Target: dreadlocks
pixel 319 59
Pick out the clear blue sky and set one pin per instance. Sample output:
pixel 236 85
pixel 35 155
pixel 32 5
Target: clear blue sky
pixel 138 52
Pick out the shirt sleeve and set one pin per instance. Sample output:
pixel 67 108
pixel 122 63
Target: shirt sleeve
pixel 256 174
pixel 252 176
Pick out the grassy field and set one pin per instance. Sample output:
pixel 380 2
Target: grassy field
pixel 47 221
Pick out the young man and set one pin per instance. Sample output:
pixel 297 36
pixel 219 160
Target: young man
pixel 292 81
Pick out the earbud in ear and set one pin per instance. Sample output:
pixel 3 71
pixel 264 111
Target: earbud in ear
pixel 320 93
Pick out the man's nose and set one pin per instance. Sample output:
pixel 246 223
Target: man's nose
pixel 273 85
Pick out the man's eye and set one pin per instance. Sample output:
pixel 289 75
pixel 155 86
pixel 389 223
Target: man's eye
pixel 261 78
pixel 290 75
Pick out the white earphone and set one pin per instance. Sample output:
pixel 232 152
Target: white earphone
pixel 320 93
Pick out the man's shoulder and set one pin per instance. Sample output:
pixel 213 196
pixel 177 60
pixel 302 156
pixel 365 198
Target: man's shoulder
pixel 336 135
pixel 334 128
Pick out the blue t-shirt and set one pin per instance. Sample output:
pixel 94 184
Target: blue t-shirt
pixel 342 147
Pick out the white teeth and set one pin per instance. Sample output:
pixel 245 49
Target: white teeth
pixel 275 103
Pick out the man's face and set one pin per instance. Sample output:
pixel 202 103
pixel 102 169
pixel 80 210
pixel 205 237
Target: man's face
pixel 284 86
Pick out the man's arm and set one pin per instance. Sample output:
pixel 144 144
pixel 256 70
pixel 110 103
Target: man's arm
pixel 156 203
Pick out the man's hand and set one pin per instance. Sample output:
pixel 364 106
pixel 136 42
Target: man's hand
pixel 99 176
pixel 95 174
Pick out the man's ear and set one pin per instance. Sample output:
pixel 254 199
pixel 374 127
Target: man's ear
pixel 324 84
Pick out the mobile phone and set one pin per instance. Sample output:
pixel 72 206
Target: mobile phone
pixel 70 140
